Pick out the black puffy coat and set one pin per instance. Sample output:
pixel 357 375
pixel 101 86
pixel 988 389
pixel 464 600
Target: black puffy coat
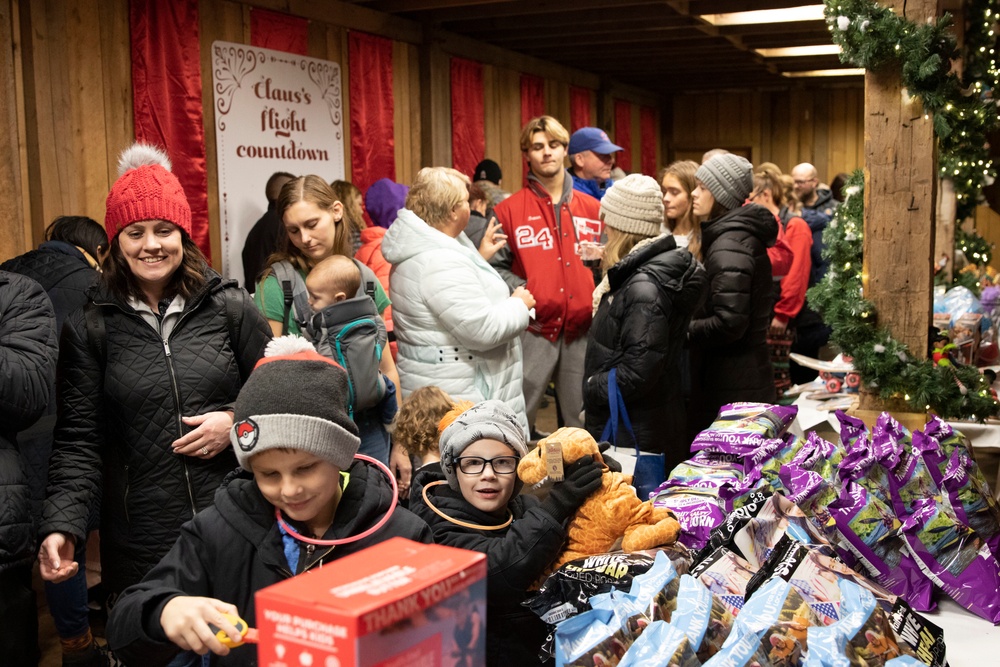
pixel 640 328
pixel 117 420
pixel 63 272
pixel 516 557
pixel 233 549
pixel 730 357
pixel 27 369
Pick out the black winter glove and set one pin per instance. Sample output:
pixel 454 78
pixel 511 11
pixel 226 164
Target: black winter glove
pixel 613 464
pixel 580 479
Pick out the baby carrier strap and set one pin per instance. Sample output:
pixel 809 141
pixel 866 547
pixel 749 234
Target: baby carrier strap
pixel 296 298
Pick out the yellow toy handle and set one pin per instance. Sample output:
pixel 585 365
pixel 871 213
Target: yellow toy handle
pixel 241 627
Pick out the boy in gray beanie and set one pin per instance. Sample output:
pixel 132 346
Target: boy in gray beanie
pixel 471 501
pixel 307 503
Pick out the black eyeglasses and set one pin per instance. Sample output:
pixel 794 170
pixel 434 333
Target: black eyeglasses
pixel 473 465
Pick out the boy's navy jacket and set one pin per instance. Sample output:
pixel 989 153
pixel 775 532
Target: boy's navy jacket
pixel 233 549
pixel 516 557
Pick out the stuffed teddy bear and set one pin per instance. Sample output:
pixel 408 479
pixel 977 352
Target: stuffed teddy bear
pixel 611 513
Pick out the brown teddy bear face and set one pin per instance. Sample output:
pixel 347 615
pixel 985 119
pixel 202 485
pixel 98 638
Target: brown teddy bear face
pixel 576 443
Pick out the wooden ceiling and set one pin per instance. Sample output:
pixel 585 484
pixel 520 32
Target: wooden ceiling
pixel 661 46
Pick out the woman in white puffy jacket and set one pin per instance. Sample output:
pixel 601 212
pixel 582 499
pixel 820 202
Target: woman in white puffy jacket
pixel 457 324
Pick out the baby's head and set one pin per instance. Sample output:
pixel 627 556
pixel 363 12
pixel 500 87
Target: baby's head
pixel 292 430
pixel 480 449
pixel 334 279
pixel 416 424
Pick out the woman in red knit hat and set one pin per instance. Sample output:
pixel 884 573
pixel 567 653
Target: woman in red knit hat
pixel 148 373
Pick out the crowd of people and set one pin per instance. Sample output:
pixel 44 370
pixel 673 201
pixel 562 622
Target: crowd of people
pixel 211 434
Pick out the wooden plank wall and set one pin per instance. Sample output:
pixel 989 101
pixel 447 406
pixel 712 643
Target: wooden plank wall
pixel 822 126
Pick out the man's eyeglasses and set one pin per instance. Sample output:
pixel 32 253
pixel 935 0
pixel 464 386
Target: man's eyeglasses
pixel 473 465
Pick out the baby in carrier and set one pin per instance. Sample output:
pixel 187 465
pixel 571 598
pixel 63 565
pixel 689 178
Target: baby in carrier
pixel 345 326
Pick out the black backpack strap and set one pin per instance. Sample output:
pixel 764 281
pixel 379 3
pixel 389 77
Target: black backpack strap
pixel 97 333
pixel 367 277
pixel 234 321
pixel 286 290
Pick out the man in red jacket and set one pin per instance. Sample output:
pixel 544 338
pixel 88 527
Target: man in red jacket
pixel 544 223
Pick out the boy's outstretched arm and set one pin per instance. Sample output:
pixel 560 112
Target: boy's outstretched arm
pixel 185 621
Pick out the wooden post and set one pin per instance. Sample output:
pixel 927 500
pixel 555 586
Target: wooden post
pixel 900 183
pixel 435 101
pixel 12 231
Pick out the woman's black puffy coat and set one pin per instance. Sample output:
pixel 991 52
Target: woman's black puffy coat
pixel 730 357
pixel 640 328
pixel 27 368
pixel 63 272
pixel 118 418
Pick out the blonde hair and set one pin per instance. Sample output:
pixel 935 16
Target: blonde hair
pixel 416 424
pixel 436 192
pixel 349 195
pixel 619 244
pixel 546 124
pixel 314 190
pixel 338 273
pixel 683 171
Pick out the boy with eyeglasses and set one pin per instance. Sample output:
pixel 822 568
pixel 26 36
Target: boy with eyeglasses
pixel 472 502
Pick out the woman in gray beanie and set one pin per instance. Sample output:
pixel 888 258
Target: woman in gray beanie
pixel 641 312
pixel 730 360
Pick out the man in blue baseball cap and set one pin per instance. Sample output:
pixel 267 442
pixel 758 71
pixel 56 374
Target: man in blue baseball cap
pixel 591 158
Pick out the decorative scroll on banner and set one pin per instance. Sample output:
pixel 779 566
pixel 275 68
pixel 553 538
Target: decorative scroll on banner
pixel 274 111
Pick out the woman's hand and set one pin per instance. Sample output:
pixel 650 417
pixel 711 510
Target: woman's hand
pixel 209 437
pixel 402 468
pixel 493 239
pixel 185 621
pixel 524 295
pixel 55 558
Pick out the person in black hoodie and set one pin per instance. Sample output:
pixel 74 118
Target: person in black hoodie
pixel 66 266
pixel 641 313
pixel 730 357
pixel 471 502
pixel 308 503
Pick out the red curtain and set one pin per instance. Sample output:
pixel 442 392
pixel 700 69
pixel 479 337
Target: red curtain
pixel 373 154
pixel 647 140
pixel 281 32
pixel 166 91
pixel 532 105
pixel 579 108
pixel 623 134
pixel 532 97
pixel 468 118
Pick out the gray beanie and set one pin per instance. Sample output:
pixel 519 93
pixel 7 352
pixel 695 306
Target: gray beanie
pixel 634 205
pixel 729 178
pixel 489 419
pixel 295 398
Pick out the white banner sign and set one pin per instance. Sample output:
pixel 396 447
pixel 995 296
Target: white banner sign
pixel 274 111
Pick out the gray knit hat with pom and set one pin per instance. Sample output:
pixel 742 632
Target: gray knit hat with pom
pixel 487 420
pixel 729 178
pixel 294 398
pixel 634 205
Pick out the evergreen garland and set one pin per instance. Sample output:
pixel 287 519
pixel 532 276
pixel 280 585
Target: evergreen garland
pixel 977 249
pixel 885 364
pixel 873 37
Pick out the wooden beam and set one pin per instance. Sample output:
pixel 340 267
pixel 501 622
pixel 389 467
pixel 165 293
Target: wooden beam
pixel 435 106
pixel 529 8
pixel 393 6
pixel 900 184
pixel 572 20
pixel 347 15
pixel 12 232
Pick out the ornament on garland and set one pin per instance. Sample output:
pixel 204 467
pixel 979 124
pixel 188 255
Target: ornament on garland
pixel 955 391
pixel 964 111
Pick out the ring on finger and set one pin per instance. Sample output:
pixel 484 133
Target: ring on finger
pixel 204 451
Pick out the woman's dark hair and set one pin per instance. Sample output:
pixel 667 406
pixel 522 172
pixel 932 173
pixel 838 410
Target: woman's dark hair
pixel 186 281
pixel 78 230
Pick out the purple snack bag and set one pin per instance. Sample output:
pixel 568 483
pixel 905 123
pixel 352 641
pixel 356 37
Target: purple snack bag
pixel 889 440
pixel 816 451
pixel 853 432
pixel 697 514
pixel 740 428
pixel 813 493
pixel 750 489
pixel 972 504
pixel 954 557
pixel 871 532
pixel 909 481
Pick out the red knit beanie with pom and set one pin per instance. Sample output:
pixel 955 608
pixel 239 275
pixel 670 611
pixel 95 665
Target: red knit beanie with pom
pixel 145 190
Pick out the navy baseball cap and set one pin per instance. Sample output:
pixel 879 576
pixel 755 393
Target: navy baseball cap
pixel 591 139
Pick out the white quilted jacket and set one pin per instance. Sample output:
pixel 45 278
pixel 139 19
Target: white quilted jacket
pixel 456 323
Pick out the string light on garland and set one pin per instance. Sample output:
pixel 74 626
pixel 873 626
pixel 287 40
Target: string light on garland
pixel 963 111
pixel 884 363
